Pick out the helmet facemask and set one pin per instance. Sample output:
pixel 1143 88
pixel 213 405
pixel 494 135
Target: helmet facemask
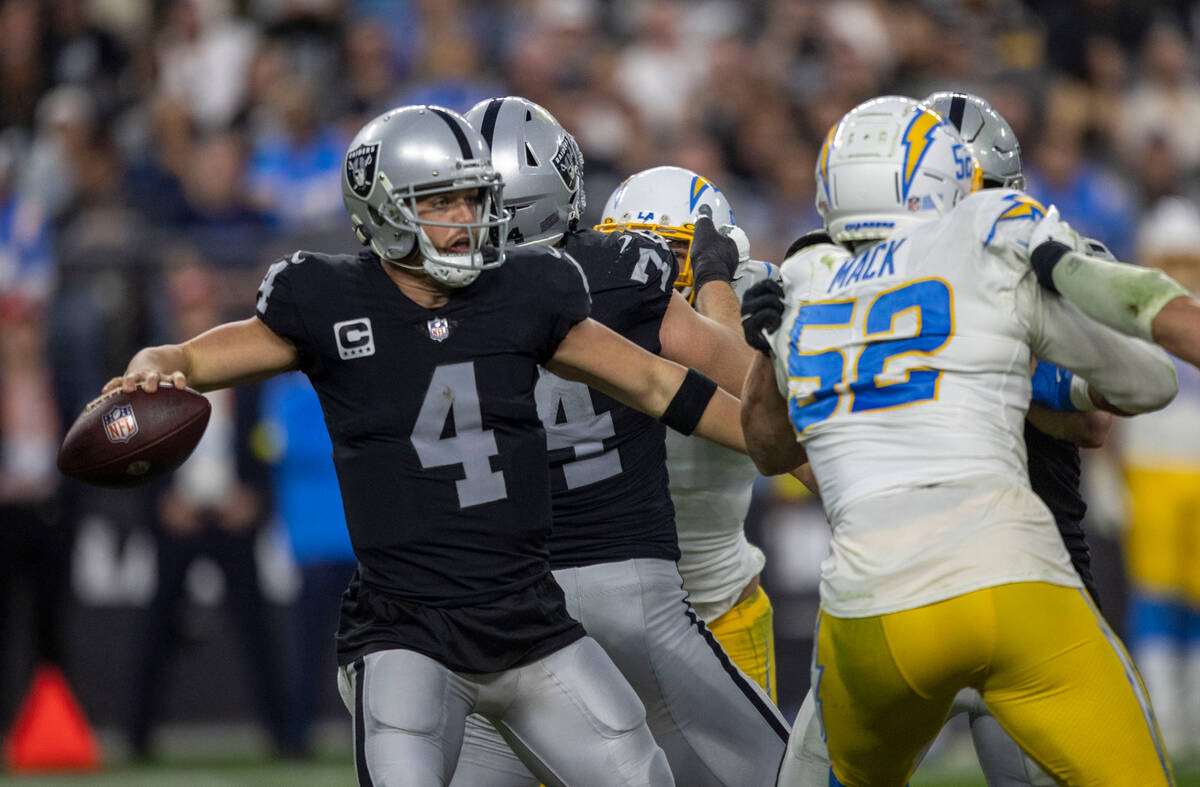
pixel 666 201
pixel 399 211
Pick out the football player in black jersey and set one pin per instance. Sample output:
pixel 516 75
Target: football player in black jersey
pixel 425 352
pixel 614 547
pixel 1052 438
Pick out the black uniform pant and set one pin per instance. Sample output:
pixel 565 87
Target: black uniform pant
pixel 311 656
pixel 233 552
pixel 35 577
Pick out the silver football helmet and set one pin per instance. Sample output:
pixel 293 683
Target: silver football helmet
pixel 409 153
pixel 541 164
pixel 987 135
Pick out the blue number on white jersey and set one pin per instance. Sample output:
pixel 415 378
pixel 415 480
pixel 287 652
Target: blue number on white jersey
pixel 932 303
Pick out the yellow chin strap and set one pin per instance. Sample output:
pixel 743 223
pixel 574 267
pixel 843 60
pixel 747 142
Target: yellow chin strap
pixel 683 281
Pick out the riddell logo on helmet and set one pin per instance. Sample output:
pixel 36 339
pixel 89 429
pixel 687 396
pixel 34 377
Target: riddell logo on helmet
pixel 870 225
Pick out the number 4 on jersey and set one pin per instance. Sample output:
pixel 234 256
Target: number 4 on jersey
pixel 453 393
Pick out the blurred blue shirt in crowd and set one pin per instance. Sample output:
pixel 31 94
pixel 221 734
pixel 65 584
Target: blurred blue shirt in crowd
pixel 307 497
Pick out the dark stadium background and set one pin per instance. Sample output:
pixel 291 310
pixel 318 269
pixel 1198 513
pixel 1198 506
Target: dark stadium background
pixel 143 138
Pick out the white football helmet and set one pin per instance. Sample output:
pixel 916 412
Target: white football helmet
pixel 888 164
pixel 666 201
pixel 413 152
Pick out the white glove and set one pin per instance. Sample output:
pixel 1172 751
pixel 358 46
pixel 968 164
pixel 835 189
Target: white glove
pixel 738 235
pixel 1052 227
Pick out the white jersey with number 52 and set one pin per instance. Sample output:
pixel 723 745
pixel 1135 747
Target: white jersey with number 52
pixel 908 366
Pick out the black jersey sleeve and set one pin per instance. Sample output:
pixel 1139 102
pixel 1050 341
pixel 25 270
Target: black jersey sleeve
pixel 278 304
pixel 564 297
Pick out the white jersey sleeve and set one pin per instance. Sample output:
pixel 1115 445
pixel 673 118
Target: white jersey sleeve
pixel 711 487
pixel 1133 375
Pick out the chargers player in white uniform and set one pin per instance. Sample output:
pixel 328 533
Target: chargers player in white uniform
pixel 710 485
pixel 994 146
pixel 902 368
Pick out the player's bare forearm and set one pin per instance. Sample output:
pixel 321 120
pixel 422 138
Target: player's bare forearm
pixel 717 301
pixel 770 441
pixel 597 356
pixel 804 474
pixel 1086 430
pixel 1176 328
pixel 227 355
pixel 694 340
pixel 722 423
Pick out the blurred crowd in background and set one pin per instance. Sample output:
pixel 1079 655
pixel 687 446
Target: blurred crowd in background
pixel 157 155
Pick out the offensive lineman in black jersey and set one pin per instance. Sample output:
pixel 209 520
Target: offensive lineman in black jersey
pixel 614 547
pixel 426 371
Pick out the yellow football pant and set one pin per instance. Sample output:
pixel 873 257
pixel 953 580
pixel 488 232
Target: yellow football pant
pixel 1162 544
pixel 1053 674
pixel 747 634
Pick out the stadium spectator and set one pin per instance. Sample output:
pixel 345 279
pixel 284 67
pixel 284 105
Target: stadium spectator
pixel 26 256
pixel 1161 458
pixel 309 505
pixel 294 171
pixel 213 507
pixel 35 540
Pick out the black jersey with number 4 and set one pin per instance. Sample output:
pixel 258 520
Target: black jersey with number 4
pixel 607 461
pixel 438 447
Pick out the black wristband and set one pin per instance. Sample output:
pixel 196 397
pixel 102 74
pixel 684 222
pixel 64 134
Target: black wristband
pixel 689 402
pixel 1044 258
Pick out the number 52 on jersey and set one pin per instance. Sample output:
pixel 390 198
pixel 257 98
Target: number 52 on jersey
pixel 819 380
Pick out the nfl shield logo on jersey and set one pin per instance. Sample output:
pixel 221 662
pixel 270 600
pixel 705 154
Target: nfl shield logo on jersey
pixel 439 329
pixel 360 168
pixel 120 424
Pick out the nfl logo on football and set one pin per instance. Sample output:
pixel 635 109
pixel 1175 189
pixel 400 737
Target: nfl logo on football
pixel 120 424
pixel 439 329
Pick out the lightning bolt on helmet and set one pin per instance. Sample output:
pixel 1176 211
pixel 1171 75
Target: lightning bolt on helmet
pixel 666 201
pixel 409 153
pixel 986 134
pixel 541 164
pixel 888 164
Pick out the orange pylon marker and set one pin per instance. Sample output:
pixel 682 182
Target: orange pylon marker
pixel 51 733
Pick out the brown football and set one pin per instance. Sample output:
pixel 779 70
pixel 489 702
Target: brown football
pixel 123 440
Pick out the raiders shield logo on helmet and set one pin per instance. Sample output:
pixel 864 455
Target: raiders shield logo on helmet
pixel 360 168
pixel 566 161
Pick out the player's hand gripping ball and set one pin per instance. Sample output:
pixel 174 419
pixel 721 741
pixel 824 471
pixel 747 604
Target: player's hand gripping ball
pixel 123 439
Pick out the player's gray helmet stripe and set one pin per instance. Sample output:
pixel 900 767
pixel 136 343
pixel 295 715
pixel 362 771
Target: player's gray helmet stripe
pixel 988 136
pixel 540 162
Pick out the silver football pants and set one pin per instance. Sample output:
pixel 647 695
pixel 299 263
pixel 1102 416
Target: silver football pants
pixel 571 718
pixel 715 724
pixel 1002 761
